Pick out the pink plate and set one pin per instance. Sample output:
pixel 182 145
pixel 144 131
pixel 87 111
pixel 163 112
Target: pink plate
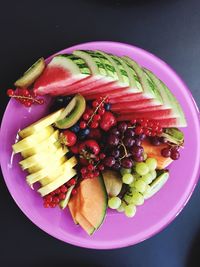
pixel 117 230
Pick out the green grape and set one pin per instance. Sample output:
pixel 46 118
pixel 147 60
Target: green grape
pixel 114 202
pixel 122 207
pixel 145 156
pixel 130 210
pixel 136 176
pixel 141 168
pixel 151 163
pixel 124 171
pixel 132 185
pixel 137 198
pixel 154 174
pixel 147 190
pixel 147 178
pixel 128 199
pixel 133 190
pixel 127 178
pixel 140 186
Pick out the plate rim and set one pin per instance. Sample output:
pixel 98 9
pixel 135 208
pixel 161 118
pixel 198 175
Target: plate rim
pixel 125 242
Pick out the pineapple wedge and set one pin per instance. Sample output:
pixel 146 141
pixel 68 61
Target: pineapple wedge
pixel 41 124
pixel 45 190
pixel 44 145
pixel 64 169
pixel 50 173
pixel 33 140
pixel 41 165
pixel 47 158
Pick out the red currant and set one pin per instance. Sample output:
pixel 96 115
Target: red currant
pixel 101 167
pixel 107 100
pixel 94 125
pixel 72 181
pixel 91 175
pixel 48 198
pixel 96 117
pixel 86 116
pixel 96 173
pixel 159 130
pixel 46 204
pixel 150 124
pixel 10 92
pixel 138 130
pixel 133 121
pixel 63 189
pixel 146 131
pixel 90 167
pixel 153 133
pixel 84 170
pixel 74 192
pixel 25 92
pixel 95 104
pixel 57 191
pixel 56 200
pixel 102 156
pixel 52 205
pixel 62 196
pixel 101 111
pixel 28 103
pixel 83 124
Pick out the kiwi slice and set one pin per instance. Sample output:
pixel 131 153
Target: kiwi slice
pixel 72 112
pixel 31 74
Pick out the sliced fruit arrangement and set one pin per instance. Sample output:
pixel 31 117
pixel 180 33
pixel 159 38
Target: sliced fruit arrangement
pixel 110 135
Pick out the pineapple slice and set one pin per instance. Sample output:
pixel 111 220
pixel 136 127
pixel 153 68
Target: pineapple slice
pixel 45 190
pixel 33 140
pixel 65 168
pixel 44 145
pixel 47 158
pixel 41 124
pixel 41 165
pixel 49 173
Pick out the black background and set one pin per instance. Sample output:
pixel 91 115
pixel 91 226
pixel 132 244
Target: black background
pixel 31 29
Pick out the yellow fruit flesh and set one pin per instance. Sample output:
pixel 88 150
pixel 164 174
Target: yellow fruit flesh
pixel 41 124
pixel 48 158
pixel 51 173
pixel 44 145
pixel 45 190
pixel 33 140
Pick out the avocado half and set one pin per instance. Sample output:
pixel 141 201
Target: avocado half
pixel 72 112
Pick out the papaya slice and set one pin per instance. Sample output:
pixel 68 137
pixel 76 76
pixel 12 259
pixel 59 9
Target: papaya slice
pixel 155 152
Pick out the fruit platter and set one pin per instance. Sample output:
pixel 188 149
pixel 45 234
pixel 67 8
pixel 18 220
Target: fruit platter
pixel 100 140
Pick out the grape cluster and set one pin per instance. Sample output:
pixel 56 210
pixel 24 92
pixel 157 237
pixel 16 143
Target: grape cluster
pixel 25 96
pixel 138 180
pixel 124 146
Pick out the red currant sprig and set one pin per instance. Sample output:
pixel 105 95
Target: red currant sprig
pixel 92 116
pixel 25 96
pixel 147 127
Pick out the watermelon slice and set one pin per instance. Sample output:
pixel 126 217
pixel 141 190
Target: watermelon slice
pixel 155 114
pixel 61 72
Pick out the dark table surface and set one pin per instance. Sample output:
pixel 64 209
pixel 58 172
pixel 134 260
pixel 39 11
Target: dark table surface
pixel 30 29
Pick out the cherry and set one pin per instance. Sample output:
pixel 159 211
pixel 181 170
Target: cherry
pixel 108 120
pixel 10 92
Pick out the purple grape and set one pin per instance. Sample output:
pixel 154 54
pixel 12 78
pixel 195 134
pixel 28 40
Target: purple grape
pixel 139 159
pixel 116 166
pixel 129 141
pixel 137 142
pixel 155 141
pixel 141 136
pixel 175 148
pixel 175 155
pixel 163 140
pixel 136 151
pixel 166 152
pixel 109 161
pixel 127 163
pixel 129 133
pixel 122 126
pixel 113 140
pixel 115 153
pixel 115 131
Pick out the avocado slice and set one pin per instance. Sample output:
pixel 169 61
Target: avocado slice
pixel 72 112
pixel 31 74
